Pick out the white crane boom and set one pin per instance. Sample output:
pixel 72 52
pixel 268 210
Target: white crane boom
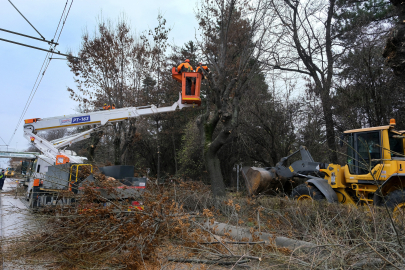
pixel 99 118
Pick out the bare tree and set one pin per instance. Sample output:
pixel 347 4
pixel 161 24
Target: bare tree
pixel 304 44
pixel 109 72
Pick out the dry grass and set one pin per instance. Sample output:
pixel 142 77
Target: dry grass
pixel 89 235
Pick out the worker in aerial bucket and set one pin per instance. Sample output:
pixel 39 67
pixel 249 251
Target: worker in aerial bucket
pixel 186 67
pixel 200 68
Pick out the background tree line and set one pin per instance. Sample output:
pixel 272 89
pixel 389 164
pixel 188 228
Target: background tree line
pixel 282 74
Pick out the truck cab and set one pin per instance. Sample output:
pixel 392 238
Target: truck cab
pixel 39 169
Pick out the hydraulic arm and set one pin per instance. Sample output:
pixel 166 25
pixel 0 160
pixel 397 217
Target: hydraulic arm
pixel 100 118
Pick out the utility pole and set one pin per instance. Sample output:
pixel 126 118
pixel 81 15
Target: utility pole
pixel 237 168
pixel 237 178
pixel 158 152
pixel 158 165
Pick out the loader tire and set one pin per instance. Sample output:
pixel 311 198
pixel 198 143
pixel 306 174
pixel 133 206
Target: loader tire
pixel 396 201
pixel 307 192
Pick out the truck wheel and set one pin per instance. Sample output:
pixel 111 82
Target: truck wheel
pixel 305 192
pixel 396 201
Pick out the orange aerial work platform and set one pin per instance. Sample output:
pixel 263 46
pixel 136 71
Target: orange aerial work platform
pixel 193 79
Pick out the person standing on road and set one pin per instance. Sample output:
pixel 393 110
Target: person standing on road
pixel 2 178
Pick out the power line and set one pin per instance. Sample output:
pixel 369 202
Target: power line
pixel 16 33
pixel 43 73
pixel 37 48
pixel 3 140
pixel 31 97
pixel 25 107
pixel 64 21
pixel 50 42
pixel 61 16
pixel 42 70
pixel 26 19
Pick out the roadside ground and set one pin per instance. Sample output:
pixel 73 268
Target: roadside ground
pixel 15 221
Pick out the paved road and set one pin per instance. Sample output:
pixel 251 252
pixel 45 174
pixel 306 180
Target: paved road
pixel 14 214
pixel 16 219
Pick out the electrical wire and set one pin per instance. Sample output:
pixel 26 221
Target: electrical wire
pixel 3 140
pixel 61 16
pixel 28 36
pixel 26 20
pixel 28 100
pixel 30 97
pixel 64 21
pixel 42 70
pixel 37 48
pixel 25 107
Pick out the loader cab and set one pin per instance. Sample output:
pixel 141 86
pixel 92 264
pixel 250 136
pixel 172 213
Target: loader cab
pixel 363 151
pixel 369 147
pixel 190 86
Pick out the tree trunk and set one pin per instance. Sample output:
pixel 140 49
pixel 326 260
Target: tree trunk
pixel 117 150
pixel 212 162
pixel 95 139
pixel 214 170
pixel 174 153
pixel 118 128
pixel 129 137
pixel 330 131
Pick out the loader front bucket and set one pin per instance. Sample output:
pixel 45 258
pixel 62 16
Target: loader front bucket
pixel 262 180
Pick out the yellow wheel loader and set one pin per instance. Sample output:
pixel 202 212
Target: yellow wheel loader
pixel 374 172
pixel 10 173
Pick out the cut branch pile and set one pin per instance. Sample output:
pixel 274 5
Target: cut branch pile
pixel 171 231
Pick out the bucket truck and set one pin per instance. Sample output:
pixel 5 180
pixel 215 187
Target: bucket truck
pixel 58 169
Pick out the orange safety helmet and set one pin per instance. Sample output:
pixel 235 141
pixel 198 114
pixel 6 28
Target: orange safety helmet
pixel 187 61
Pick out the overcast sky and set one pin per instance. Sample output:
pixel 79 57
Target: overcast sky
pixel 19 66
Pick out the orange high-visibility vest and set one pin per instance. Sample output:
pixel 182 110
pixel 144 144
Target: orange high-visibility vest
pixel 184 67
pixel 199 69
